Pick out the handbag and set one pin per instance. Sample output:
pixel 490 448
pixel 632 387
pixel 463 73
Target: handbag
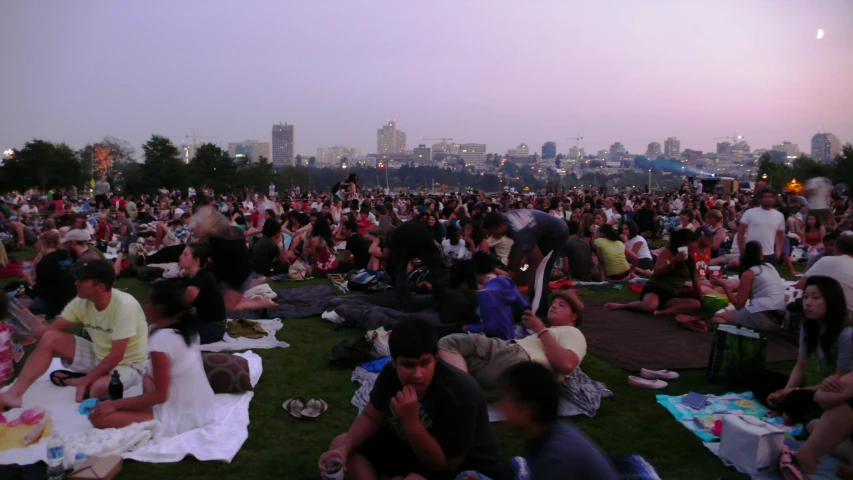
pixel 737 354
pixel 750 443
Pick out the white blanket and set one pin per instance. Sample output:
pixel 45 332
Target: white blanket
pixel 229 343
pixel 142 442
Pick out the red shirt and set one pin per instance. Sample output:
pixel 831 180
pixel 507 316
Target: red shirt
pixel 702 258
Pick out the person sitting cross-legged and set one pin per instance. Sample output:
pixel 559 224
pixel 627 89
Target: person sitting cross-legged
pixel 560 348
pixel 114 321
pixel 425 419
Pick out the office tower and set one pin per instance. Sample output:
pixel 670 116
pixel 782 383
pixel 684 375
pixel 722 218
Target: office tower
pixel 825 147
pixel 389 140
pixel 549 150
pixel 653 151
pixel 332 156
pixel 282 145
pixel 616 150
pixel 473 154
pixel 672 148
pixel 576 153
pixel 251 149
pixel 790 150
pixel 521 151
pixel 422 154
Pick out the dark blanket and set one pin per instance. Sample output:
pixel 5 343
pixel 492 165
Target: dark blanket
pixel 299 302
pixel 381 309
pixel 635 340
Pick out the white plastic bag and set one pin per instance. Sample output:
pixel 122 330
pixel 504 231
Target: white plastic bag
pixel 751 444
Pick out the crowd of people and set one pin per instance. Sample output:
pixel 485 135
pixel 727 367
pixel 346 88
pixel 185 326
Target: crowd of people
pixel 427 414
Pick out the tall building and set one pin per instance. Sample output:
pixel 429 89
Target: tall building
pixel 521 151
pixel 576 153
pixel 691 156
pixel 331 157
pixel 825 147
pixel 389 140
pixel 724 148
pixel 616 150
pixel 549 150
pixel 672 148
pixel 474 154
pixel 740 148
pixel 653 151
pixel 789 150
pixel 251 149
pixel 282 145
pixel 422 154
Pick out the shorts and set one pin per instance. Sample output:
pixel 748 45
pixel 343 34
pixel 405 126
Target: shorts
pixel 486 357
pixel 85 361
pixel 754 321
pixel 663 294
pixel 645 264
pixel 619 276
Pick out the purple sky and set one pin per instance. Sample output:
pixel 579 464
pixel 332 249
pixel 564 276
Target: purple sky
pixel 495 72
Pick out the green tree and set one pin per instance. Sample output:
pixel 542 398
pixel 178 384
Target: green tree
pixel 163 166
pixel 214 167
pixel 775 174
pixel 842 170
pixel 43 164
pixel 312 161
pixel 298 160
pixel 256 173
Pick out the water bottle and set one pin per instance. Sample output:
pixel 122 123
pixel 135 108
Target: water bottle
pixel 115 389
pixel 55 457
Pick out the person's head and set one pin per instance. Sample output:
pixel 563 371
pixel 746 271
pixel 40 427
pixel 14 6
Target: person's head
pixel 686 216
pixel 607 231
pixel 565 309
pixel 714 217
pixel 705 235
pixel 414 346
pixel 453 234
pixel 49 240
pixel 574 227
pixel 495 224
pixel 599 218
pixel 529 395
pixel 165 307
pixel 825 309
pixel 322 228
pixel 766 198
pixel 352 178
pixel 484 266
pixel 844 244
pixel 680 238
pixel 608 203
pixel 751 256
pixel 349 228
pixel 812 223
pixel 94 279
pixel 632 230
pixel 194 256
pixel 271 228
pixel 829 242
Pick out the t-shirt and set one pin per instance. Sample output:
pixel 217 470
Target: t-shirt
pixel 527 227
pixel 643 252
pixel 129 234
pixel 209 304
pixel 613 252
pixel 86 256
pixel 123 318
pixel 702 259
pixel 564 453
pixel 502 247
pixel 54 282
pixel 579 254
pixel 455 253
pixel 7 212
pixel 359 247
pixel 762 226
pixel 453 410
pixel 569 338
pixel 230 260
pixel 842 358
pixel 101 188
pixel 841 269
pixel 264 254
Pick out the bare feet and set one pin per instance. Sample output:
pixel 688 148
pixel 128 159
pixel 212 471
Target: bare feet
pixel 613 306
pixel 8 401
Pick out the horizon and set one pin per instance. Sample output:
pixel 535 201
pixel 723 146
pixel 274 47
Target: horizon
pixel 499 73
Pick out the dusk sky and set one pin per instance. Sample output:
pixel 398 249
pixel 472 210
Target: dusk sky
pixel 494 72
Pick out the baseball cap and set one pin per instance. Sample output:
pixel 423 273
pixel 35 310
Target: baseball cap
pixel 99 269
pixel 75 235
pixel 704 231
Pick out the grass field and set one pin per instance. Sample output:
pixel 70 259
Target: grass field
pixel 282 447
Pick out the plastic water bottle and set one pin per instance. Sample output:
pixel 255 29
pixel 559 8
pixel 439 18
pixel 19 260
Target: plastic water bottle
pixel 55 457
pixel 116 389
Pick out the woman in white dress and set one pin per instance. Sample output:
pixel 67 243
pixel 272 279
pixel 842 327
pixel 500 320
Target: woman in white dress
pixel 177 392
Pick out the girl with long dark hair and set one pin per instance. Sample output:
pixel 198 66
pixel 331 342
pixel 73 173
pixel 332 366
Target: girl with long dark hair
pixel 761 284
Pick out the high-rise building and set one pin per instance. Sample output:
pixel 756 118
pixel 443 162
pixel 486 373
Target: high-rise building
pixel 576 153
pixel 724 148
pixel 549 150
pixel 653 151
pixel 474 154
pixel 689 155
pixel 521 151
pixel 672 148
pixel 422 154
pixel 332 156
pixel 740 148
pixel 282 145
pixel 825 147
pixel 251 149
pixel 617 150
pixel 789 150
pixel 389 140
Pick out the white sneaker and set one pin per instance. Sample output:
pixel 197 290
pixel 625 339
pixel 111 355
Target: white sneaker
pixel 646 383
pixel 658 374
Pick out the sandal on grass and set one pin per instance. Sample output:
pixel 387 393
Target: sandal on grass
pixel 694 324
pixel 59 377
pixel 788 464
pixel 294 407
pixel 314 407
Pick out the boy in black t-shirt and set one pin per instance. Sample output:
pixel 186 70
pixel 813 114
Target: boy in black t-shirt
pixel 425 417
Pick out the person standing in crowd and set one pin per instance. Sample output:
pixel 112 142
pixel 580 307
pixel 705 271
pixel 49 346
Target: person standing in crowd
pixel 102 190
pixel 764 225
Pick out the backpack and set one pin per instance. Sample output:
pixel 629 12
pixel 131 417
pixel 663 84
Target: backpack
pixel 362 279
pixel 350 354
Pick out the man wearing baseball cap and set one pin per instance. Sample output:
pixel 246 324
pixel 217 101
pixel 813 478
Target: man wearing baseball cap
pixel 76 241
pixel 114 321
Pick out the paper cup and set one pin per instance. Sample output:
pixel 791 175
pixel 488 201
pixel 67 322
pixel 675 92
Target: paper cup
pixel 682 249
pixel 332 465
pixel 715 272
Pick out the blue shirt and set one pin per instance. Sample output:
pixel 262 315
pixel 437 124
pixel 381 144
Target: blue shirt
pixel 564 453
pixel 500 304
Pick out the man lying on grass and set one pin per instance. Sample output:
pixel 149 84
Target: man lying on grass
pixel 560 347
pixel 425 419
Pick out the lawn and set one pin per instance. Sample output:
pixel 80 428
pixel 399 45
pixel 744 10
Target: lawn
pixel 282 447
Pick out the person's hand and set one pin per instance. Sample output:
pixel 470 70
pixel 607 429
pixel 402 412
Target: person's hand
pixel 717 282
pixel 102 409
pixel 776 397
pixel 82 388
pixel 531 321
pixel 832 384
pixel 406 407
pixel 680 257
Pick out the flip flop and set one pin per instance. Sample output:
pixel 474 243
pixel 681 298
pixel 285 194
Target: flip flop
pixel 294 407
pixel 788 465
pixel 314 407
pixel 58 377
pixel 694 324
pixel 658 374
pixel 645 383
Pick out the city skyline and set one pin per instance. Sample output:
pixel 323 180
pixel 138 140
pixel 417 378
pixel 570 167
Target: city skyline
pixel 616 75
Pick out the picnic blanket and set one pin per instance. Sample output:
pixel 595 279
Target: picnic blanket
pixel 701 421
pixel 633 340
pixel 825 466
pixel 299 302
pixel 229 343
pixel 142 442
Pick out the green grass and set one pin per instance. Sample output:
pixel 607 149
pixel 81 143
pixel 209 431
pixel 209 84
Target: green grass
pixel 282 447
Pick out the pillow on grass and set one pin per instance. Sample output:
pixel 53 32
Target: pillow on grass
pixel 227 373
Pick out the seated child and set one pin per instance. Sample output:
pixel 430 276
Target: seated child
pixel 499 300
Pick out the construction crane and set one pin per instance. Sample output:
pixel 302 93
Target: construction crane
pixel 194 137
pixel 734 138
pixel 576 139
pixel 433 139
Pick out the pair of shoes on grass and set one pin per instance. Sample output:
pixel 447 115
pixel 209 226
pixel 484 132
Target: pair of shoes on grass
pixel 653 379
pixel 300 408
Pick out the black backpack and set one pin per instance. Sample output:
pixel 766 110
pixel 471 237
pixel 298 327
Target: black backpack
pixel 350 354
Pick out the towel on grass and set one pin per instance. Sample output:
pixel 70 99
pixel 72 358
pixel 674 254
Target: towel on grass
pixel 701 421
pixel 229 343
pixel 142 442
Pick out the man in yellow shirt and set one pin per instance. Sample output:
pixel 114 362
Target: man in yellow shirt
pixel 560 347
pixel 114 321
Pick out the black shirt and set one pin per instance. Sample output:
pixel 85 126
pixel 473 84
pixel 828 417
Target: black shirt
pixel 453 411
pixel 579 254
pixel 54 282
pixel 359 247
pixel 209 304
pixel 264 254
pixel 230 261
pixel 527 227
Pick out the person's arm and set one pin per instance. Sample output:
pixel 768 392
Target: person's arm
pixel 566 264
pixel 744 289
pixel 516 257
pixel 162 378
pixel 347 256
pixel 601 268
pixel 104 367
pixel 780 242
pixel 60 324
pixel 190 294
pixel 741 236
pixel 633 258
pixel 719 238
pixel 423 444
pixel 365 426
pixel 636 248
pixel 826 398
